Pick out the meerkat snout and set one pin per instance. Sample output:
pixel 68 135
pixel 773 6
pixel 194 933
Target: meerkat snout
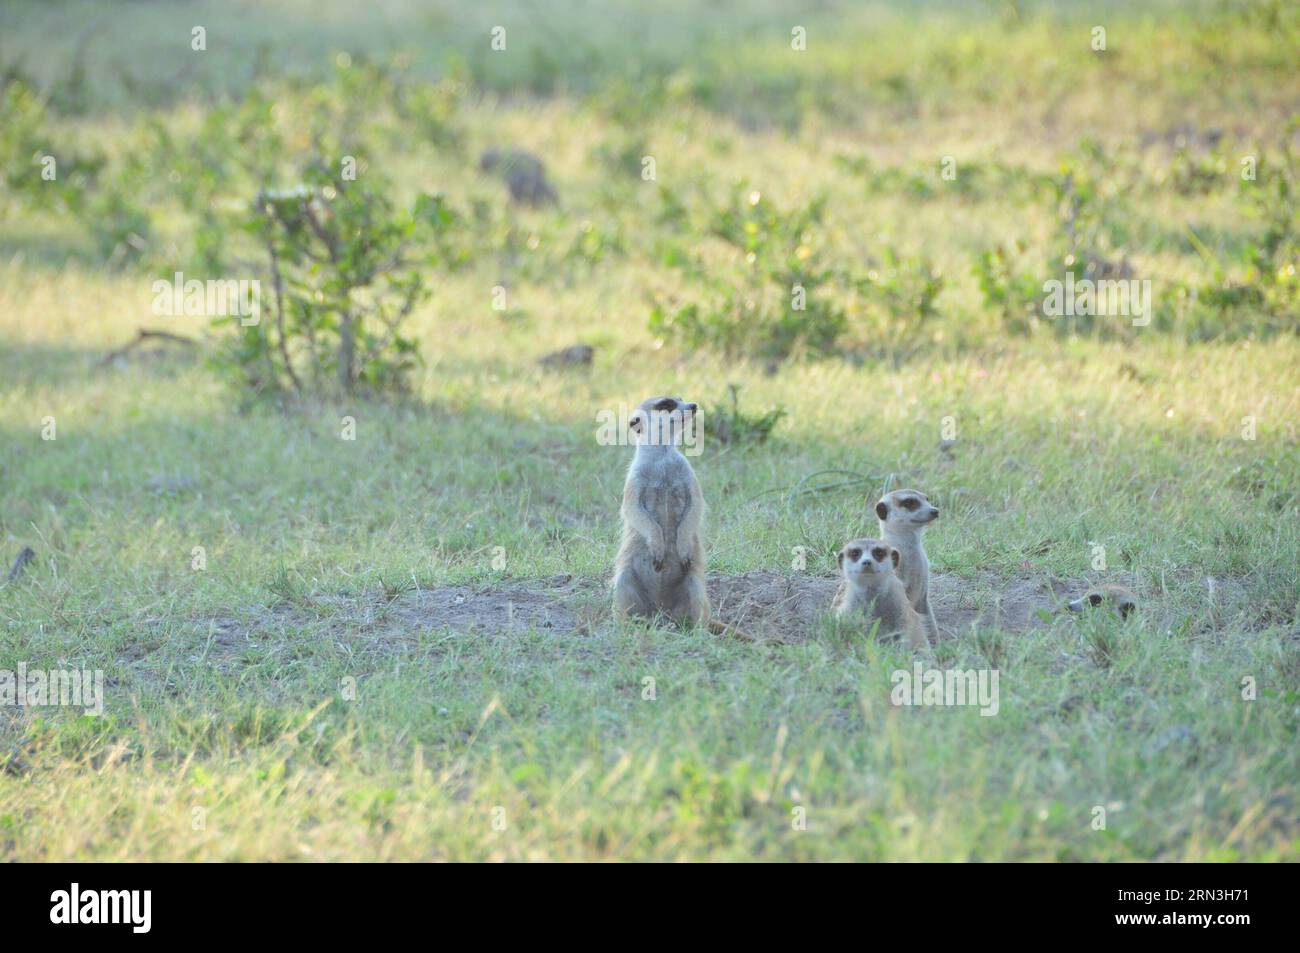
pixel 1120 598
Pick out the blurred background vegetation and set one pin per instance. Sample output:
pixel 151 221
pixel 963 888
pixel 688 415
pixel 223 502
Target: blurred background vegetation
pixel 774 167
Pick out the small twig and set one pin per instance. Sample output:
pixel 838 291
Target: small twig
pixel 392 325
pixel 326 239
pixel 1201 247
pixel 145 334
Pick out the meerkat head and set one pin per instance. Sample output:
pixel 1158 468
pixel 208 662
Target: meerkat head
pixel 662 421
pixel 1117 597
pixel 906 511
pixel 864 560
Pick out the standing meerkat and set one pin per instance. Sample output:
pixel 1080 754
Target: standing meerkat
pixel 660 564
pixel 1120 598
pixel 904 515
pixel 870 585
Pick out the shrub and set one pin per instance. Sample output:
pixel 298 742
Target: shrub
pixel 772 302
pixel 1008 288
pixel 22 135
pixel 734 427
pixel 1262 292
pixel 899 296
pixel 344 276
pixel 1013 286
pixel 25 140
pixel 782 296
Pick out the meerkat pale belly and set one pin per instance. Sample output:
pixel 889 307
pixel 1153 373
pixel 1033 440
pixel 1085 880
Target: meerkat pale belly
pixel 660 572
pixel 904 516
pixel 660 565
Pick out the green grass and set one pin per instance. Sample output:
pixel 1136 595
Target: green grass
pixel 1131 440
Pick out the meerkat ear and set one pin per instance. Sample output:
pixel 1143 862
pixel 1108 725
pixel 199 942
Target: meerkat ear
pixel 896 556
pixel 882 509
pixel 1094 598
pixel 634 424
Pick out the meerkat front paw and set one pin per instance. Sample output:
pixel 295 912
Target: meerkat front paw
pixel 685 556
pixel 658 556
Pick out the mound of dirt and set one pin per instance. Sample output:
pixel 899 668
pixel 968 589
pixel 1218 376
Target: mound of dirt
pixel 789 607
pixel 555 604
pixel 768 605
pixel 772 606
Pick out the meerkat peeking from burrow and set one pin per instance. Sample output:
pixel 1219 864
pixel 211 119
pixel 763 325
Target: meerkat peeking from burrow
pixel 869 585
pixel 1119 598
pixel 660 564
pixel 904 515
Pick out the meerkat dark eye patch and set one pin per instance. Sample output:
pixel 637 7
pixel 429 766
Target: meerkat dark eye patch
pixel 666 404
pixel 1094 598
pixel 878 554
pixel 855 554
pixel 911 503
pixel 1124 609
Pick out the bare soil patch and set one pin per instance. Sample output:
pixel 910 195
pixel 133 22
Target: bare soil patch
pixel 772 606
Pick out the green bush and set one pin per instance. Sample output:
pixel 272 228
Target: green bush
pixel 1010 291
pixel 1012 279
pixel 898 299
pixel 784 293
pixel 773 301
pixel 345 272
pixel 1260 291
pixel 25 141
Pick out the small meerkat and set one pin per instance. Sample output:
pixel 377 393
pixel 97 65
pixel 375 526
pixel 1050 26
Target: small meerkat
pixel 869 584
pixel 1120 598
pixel 660 564
pixel 904 515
